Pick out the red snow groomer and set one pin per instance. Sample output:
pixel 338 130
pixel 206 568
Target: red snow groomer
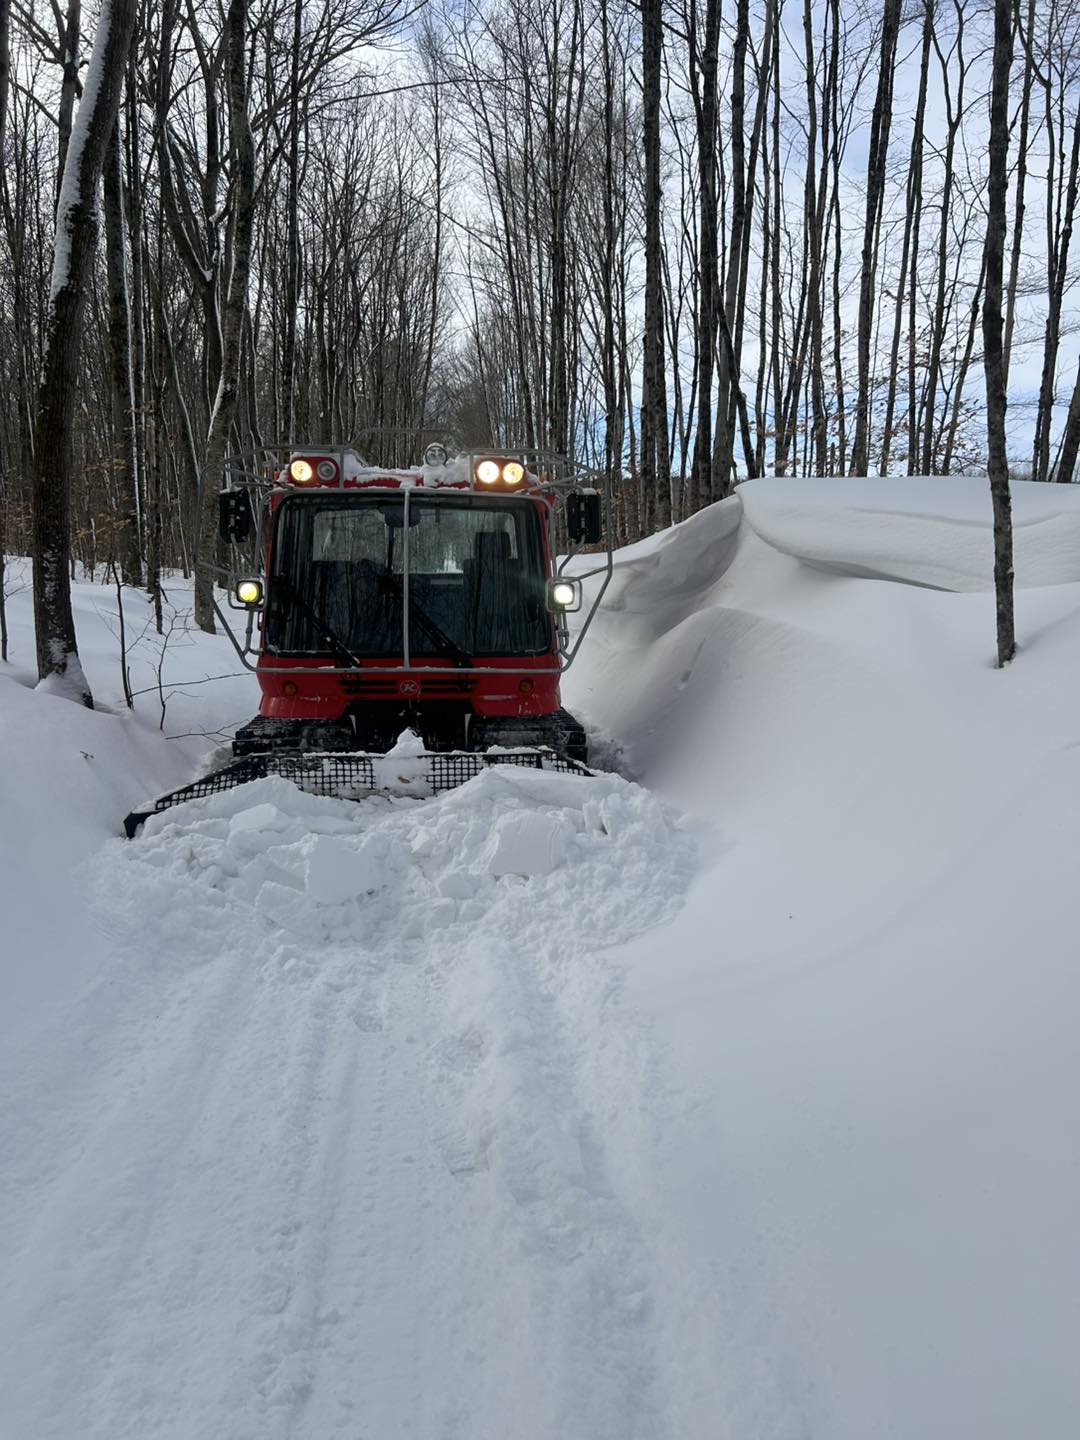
pixel 407 627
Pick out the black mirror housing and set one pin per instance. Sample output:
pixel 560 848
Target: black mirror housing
pixel 235 517
pixel 584 517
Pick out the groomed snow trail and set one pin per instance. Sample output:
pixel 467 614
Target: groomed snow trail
pixel 352 1137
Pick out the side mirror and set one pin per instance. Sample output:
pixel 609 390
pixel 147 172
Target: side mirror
pixel 584 517
pixel 235 518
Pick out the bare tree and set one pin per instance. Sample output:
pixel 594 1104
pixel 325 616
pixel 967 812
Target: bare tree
pixel 655 475
pixel 126 464
pixel 992 332
pixel 5 85
pixel 875 192
pixel 572 227
pixel 242 206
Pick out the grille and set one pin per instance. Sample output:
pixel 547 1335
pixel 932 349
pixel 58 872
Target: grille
pixel 376 688
pixel 448 771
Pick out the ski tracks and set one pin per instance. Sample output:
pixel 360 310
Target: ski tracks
pixel 312 1162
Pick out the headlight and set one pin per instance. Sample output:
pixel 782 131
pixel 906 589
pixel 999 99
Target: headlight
pixel 513 472
pixel 326 470
pixel 564 595
pixel 249 593
pixel 300 471
pixel 487 472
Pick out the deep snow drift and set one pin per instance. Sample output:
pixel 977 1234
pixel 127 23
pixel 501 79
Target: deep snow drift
pixel 922 530
pixel 738 1105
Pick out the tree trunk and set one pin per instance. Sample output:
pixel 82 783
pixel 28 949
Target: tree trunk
pixel 292 250
pixel 69 36
pixel 998 465
pixel 1059 263
pixel 1070 443
pixel 942 303
pixel 875 191
pixel 76 242
pixel 242 150
pixel 1021 185
pixel 5 81
pixel 701 484
pixel 727 360
pixel 813 209
pixel 123 380
pixel 911 218
pixel 655 468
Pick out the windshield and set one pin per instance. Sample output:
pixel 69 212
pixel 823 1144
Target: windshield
pixel 476 577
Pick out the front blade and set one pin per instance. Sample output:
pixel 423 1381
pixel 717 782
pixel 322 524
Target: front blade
pixel 352 775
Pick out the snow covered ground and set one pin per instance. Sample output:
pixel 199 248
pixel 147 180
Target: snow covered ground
pixel 734 1101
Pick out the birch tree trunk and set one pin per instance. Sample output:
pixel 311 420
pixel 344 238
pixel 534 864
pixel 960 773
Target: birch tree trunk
pixel 998 465
pixel 73 255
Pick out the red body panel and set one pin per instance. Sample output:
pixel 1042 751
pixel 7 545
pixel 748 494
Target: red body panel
pixel 324 694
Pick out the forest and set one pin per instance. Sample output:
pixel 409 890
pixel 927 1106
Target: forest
pixel 539 615
pixel 681 244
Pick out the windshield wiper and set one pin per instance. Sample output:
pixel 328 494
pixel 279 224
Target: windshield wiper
pixel 426 625
pixel 326 634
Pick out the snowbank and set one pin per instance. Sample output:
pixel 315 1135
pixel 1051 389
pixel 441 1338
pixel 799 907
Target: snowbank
pixel 70 775
pixel 872 989
pixel 933 531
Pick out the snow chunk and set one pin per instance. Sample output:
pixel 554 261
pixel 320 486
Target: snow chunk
pixel 338 870
pixel 528 842
pixel 407 747
pixel 259 817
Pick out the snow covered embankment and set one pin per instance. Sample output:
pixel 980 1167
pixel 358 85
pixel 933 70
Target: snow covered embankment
pixel 346 1111
pixel 70 775
pixel 873 986
pixel 924 530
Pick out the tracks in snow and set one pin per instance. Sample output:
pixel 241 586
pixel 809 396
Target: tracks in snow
pixel 350 1135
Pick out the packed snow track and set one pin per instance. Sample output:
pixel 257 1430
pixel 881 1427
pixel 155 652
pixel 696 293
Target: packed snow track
pixel 348 1140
